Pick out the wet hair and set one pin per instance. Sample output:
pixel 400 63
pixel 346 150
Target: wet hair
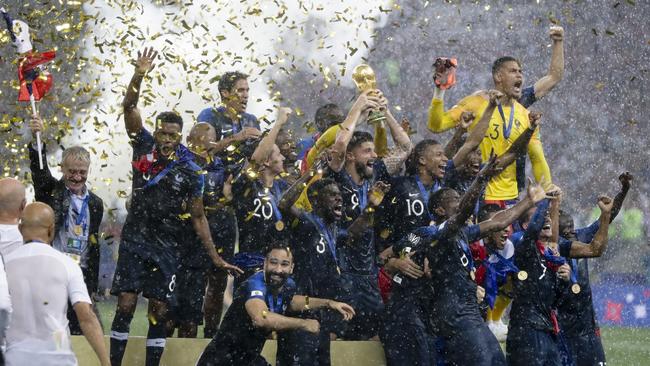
pixel 169 117
pixel 76 153
pixel 316 188
pixel 416 154
pixel 498 63
pixel 326 115
pixel 358 138
pixel 487 210
pixel 229 79
pixel 435 200
pixel 280 244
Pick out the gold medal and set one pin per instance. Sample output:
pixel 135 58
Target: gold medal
pixel 384 233
pixel 78 230
pixel 279 225
pixel 575 288
pixel 522 275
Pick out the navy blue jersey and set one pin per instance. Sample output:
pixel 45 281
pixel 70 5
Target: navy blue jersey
pixel 161 195
pixel 404 208
pixel 454 303
pixel 534 297
pixel 223 125
pixel 576 313
pixel 360 257
pixel 237 332
pixel 256 208
pixel 317 271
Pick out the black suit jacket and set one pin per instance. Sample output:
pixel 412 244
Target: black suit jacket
pixel 53 192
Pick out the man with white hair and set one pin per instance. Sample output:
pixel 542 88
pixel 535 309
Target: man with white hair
pixel 78 211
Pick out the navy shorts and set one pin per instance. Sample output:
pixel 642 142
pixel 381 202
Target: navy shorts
pixel 405 336
pixel 190 290
pixel 362 293
pixel 532 347
pixel 301 348
pixel 586 349
pixel 154 277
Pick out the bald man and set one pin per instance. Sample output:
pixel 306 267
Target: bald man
pixel 195 266
pixel 12 203
pixel 41 281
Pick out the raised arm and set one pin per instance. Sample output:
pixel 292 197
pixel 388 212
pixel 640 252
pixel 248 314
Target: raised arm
pixel 291 195
pixel 468 201
pixel 556 69
pixel 538 161
pixel 625 179
pixel 555 217
pixel 364 102
pixel 263 150
pixel 534 194
pixel 42 178
pixel 478 133
pixel 599 243
pixel 519 146
pixel 143 64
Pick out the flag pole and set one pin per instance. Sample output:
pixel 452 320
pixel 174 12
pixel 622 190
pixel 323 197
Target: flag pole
pixel 38 134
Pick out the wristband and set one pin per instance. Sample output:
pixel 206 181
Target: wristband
pixel 306 302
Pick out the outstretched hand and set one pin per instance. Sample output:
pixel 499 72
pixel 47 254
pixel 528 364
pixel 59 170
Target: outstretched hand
pixel 536 192
pixel 491 169
pixel 344 309
pixel 144 62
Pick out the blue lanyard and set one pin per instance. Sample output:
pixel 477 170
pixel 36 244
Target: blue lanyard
pixel 161 175
pixel 81 217
pixel 329 237
pixel 574 270
pixel 363 195
pixel 274 306
pixel 274 196
pixel 507 127
pixel 425 193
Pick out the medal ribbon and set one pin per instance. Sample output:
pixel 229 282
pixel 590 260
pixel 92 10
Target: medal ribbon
pixel 363 195
pixel 329 237
pixel 425 193
pixel 558 261
pixel 274 196
pixel 183 155
pixel 507 127
pixel 274 306
pixel 81 216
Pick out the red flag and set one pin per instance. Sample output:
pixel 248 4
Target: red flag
pixel 31 76
pixel 613 311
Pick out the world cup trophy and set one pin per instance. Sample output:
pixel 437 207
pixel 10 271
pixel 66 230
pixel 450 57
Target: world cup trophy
pixel 364 78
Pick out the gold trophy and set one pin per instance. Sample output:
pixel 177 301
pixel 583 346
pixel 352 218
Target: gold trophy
pixel 364 78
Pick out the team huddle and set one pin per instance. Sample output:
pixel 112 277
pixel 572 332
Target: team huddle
pixel 345 235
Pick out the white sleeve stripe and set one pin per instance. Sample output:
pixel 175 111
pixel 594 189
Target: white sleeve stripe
pixel 119 335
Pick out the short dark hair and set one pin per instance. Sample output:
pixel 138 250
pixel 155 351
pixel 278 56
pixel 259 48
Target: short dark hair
pixel 228 80
pixel 416 154
pixel 316 188
pixel 169 117
pixel 280 244
pixel 435 200
pixel 498 63
pixel 358 138
pixel 564 217
pixel 326 115
pixel 487 210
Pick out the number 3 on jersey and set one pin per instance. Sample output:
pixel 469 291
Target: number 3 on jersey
pixel 415 207
pixel 320 247
pixel 262 209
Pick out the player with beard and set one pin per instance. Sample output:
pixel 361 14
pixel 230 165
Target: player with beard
pixel 533 328
pixel 576 313
pixel 317 235
pixel 166 184
pixel 257 191
pixel 259 307
pixel 506 125
pixel 355 167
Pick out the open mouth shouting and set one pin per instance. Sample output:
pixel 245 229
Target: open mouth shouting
pixel 337 210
